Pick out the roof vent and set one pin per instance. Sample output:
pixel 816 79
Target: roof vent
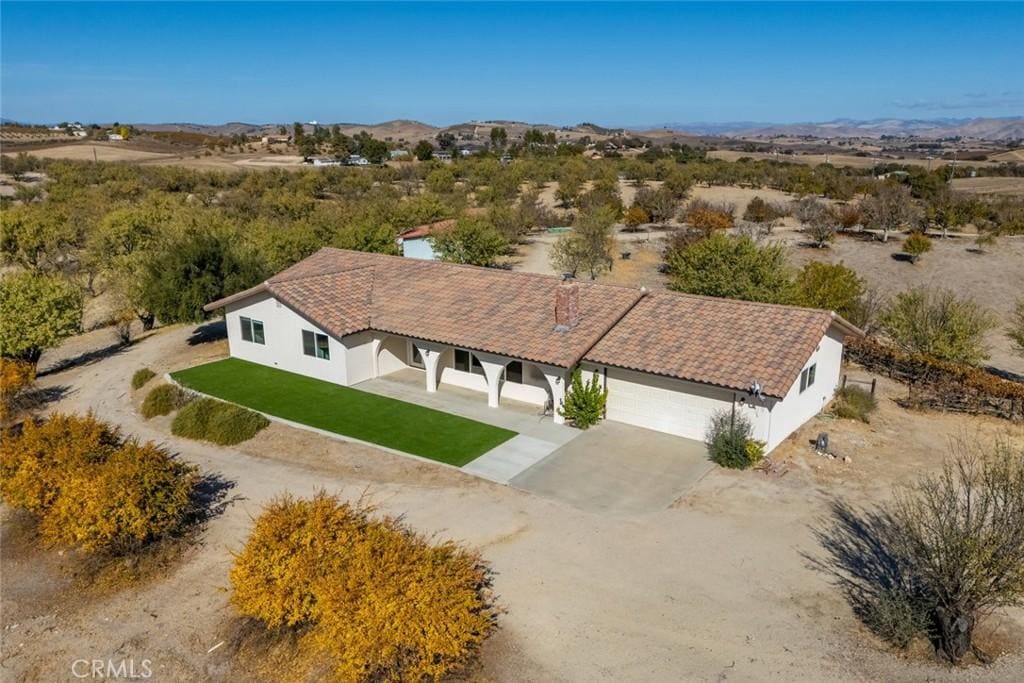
pixel 567 306
pixel 567 276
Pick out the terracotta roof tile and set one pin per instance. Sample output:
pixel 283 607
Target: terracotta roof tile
pixel 715 341
pixel 702 339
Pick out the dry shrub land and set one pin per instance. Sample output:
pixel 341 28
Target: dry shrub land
pixel 718 585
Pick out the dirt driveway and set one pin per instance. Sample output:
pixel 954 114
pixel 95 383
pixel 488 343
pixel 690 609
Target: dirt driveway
pixel 717 586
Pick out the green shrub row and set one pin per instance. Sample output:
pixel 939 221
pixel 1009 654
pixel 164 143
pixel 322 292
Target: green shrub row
pixel 142 376
pixel 208 419
pixel 163 400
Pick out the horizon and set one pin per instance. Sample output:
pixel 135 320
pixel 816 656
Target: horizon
pixel 559 63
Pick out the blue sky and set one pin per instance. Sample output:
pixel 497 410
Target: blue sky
pixel 611 63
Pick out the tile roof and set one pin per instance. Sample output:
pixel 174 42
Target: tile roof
pixel 714 341
pixel 424 230
pixel 724 342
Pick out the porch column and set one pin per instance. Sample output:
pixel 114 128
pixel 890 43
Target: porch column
pixel 430 357
pixel 494 369
pixel 556 380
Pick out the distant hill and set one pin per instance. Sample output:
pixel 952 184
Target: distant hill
pixel 1010 128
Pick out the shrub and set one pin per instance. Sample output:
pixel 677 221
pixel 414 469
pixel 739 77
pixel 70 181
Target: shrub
pixel 584 403
pixel 917 244
pixel 730 443
pixel 854 403
pixel 92 489
pixel 383 602
pixel 163 400
pixel 142 376
pixel 208 419
pixel 730 267
pixel 948 551
pixel 16 380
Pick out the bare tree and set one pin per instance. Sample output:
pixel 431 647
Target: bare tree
pixel 819 221
pixel 889 208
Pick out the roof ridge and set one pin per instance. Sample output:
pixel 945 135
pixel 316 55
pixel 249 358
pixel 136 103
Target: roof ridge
pixel 332 271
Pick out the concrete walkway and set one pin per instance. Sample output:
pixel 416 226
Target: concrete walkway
pixel 537 435
pixel 618 468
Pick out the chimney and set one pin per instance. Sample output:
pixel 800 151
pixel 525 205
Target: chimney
pixel 567 305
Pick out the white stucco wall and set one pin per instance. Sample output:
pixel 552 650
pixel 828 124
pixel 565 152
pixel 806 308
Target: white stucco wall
pixel 797 408
pixel 684 408
pixel 283 332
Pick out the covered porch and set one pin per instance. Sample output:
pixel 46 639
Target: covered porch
pixel 521 386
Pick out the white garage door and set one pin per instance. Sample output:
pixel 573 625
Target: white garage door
pixel 663 404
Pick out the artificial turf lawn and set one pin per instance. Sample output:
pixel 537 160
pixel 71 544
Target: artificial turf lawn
pixel 385 421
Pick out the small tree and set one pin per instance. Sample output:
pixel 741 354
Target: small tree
pixel 37 312
pixel 635 217
pixel 472 241
pixel 889 208
pixel 731 267
pixel 960 534
pixel 588 247
pixel 708 218
pixel 938 324
pixel 660 205
pixel 763 214
pixel 819 223
pixel 832 286
pixel 584 402
pixel 423 150
pixel 916 245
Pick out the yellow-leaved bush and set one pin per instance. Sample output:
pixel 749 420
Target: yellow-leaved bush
pixel 382 601
pixel 16 379
pixel 90 487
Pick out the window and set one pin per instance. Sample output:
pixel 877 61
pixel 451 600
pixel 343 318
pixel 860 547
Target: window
pixel 252 330
pixel 807 377
pixel 467 362
pixel 514 372
pixel 316 344
pixel 417 357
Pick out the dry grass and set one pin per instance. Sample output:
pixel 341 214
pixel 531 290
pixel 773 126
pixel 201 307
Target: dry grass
pixel 1009 186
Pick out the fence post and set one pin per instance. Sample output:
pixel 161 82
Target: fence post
pixel 844 381
pixel 873 381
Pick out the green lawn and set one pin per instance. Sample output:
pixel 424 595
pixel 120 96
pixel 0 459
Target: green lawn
pixel 385 421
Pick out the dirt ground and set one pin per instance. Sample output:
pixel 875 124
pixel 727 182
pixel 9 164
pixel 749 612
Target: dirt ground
pixel 718 586
pixel 1009 186
pixel 840 159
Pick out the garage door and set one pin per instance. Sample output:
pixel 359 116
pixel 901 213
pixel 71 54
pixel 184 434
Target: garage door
pixel 663 404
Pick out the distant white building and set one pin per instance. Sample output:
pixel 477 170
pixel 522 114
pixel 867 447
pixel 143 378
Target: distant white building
pixel 328 162
pixel 415 242
pixel 396 154
pixel 115 137
pixel 356 160
pixel 442 155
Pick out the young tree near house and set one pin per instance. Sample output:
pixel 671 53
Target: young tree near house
pixel 473 241
pixel 889 208
pixel 37 312
pixel 831 286
pixel 584 402
pixel 937 323
pixel 731 267
pixel 589 246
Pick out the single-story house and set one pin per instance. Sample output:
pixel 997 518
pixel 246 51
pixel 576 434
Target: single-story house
pixel 415 242
pixel 357 160
pixel 668 360
pixel 442 155
pixel 398 154
pixel 269 140
pixel 327 161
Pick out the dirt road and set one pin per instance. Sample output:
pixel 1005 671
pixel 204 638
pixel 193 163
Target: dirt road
pixel 714 588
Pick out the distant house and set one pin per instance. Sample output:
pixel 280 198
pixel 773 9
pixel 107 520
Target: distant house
pixel 415 242
pixel 396 154
pixel 269 140
pixel 115 137
pixel 442 155
pixel 321 161
pixel 356 160
pixel 79 133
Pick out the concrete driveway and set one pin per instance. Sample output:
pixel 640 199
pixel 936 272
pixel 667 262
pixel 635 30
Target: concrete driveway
pixel 619 468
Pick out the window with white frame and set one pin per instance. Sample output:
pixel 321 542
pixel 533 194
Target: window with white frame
pixel 316 345
pixel 415 357
pixel 807 377
pixel 252 330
